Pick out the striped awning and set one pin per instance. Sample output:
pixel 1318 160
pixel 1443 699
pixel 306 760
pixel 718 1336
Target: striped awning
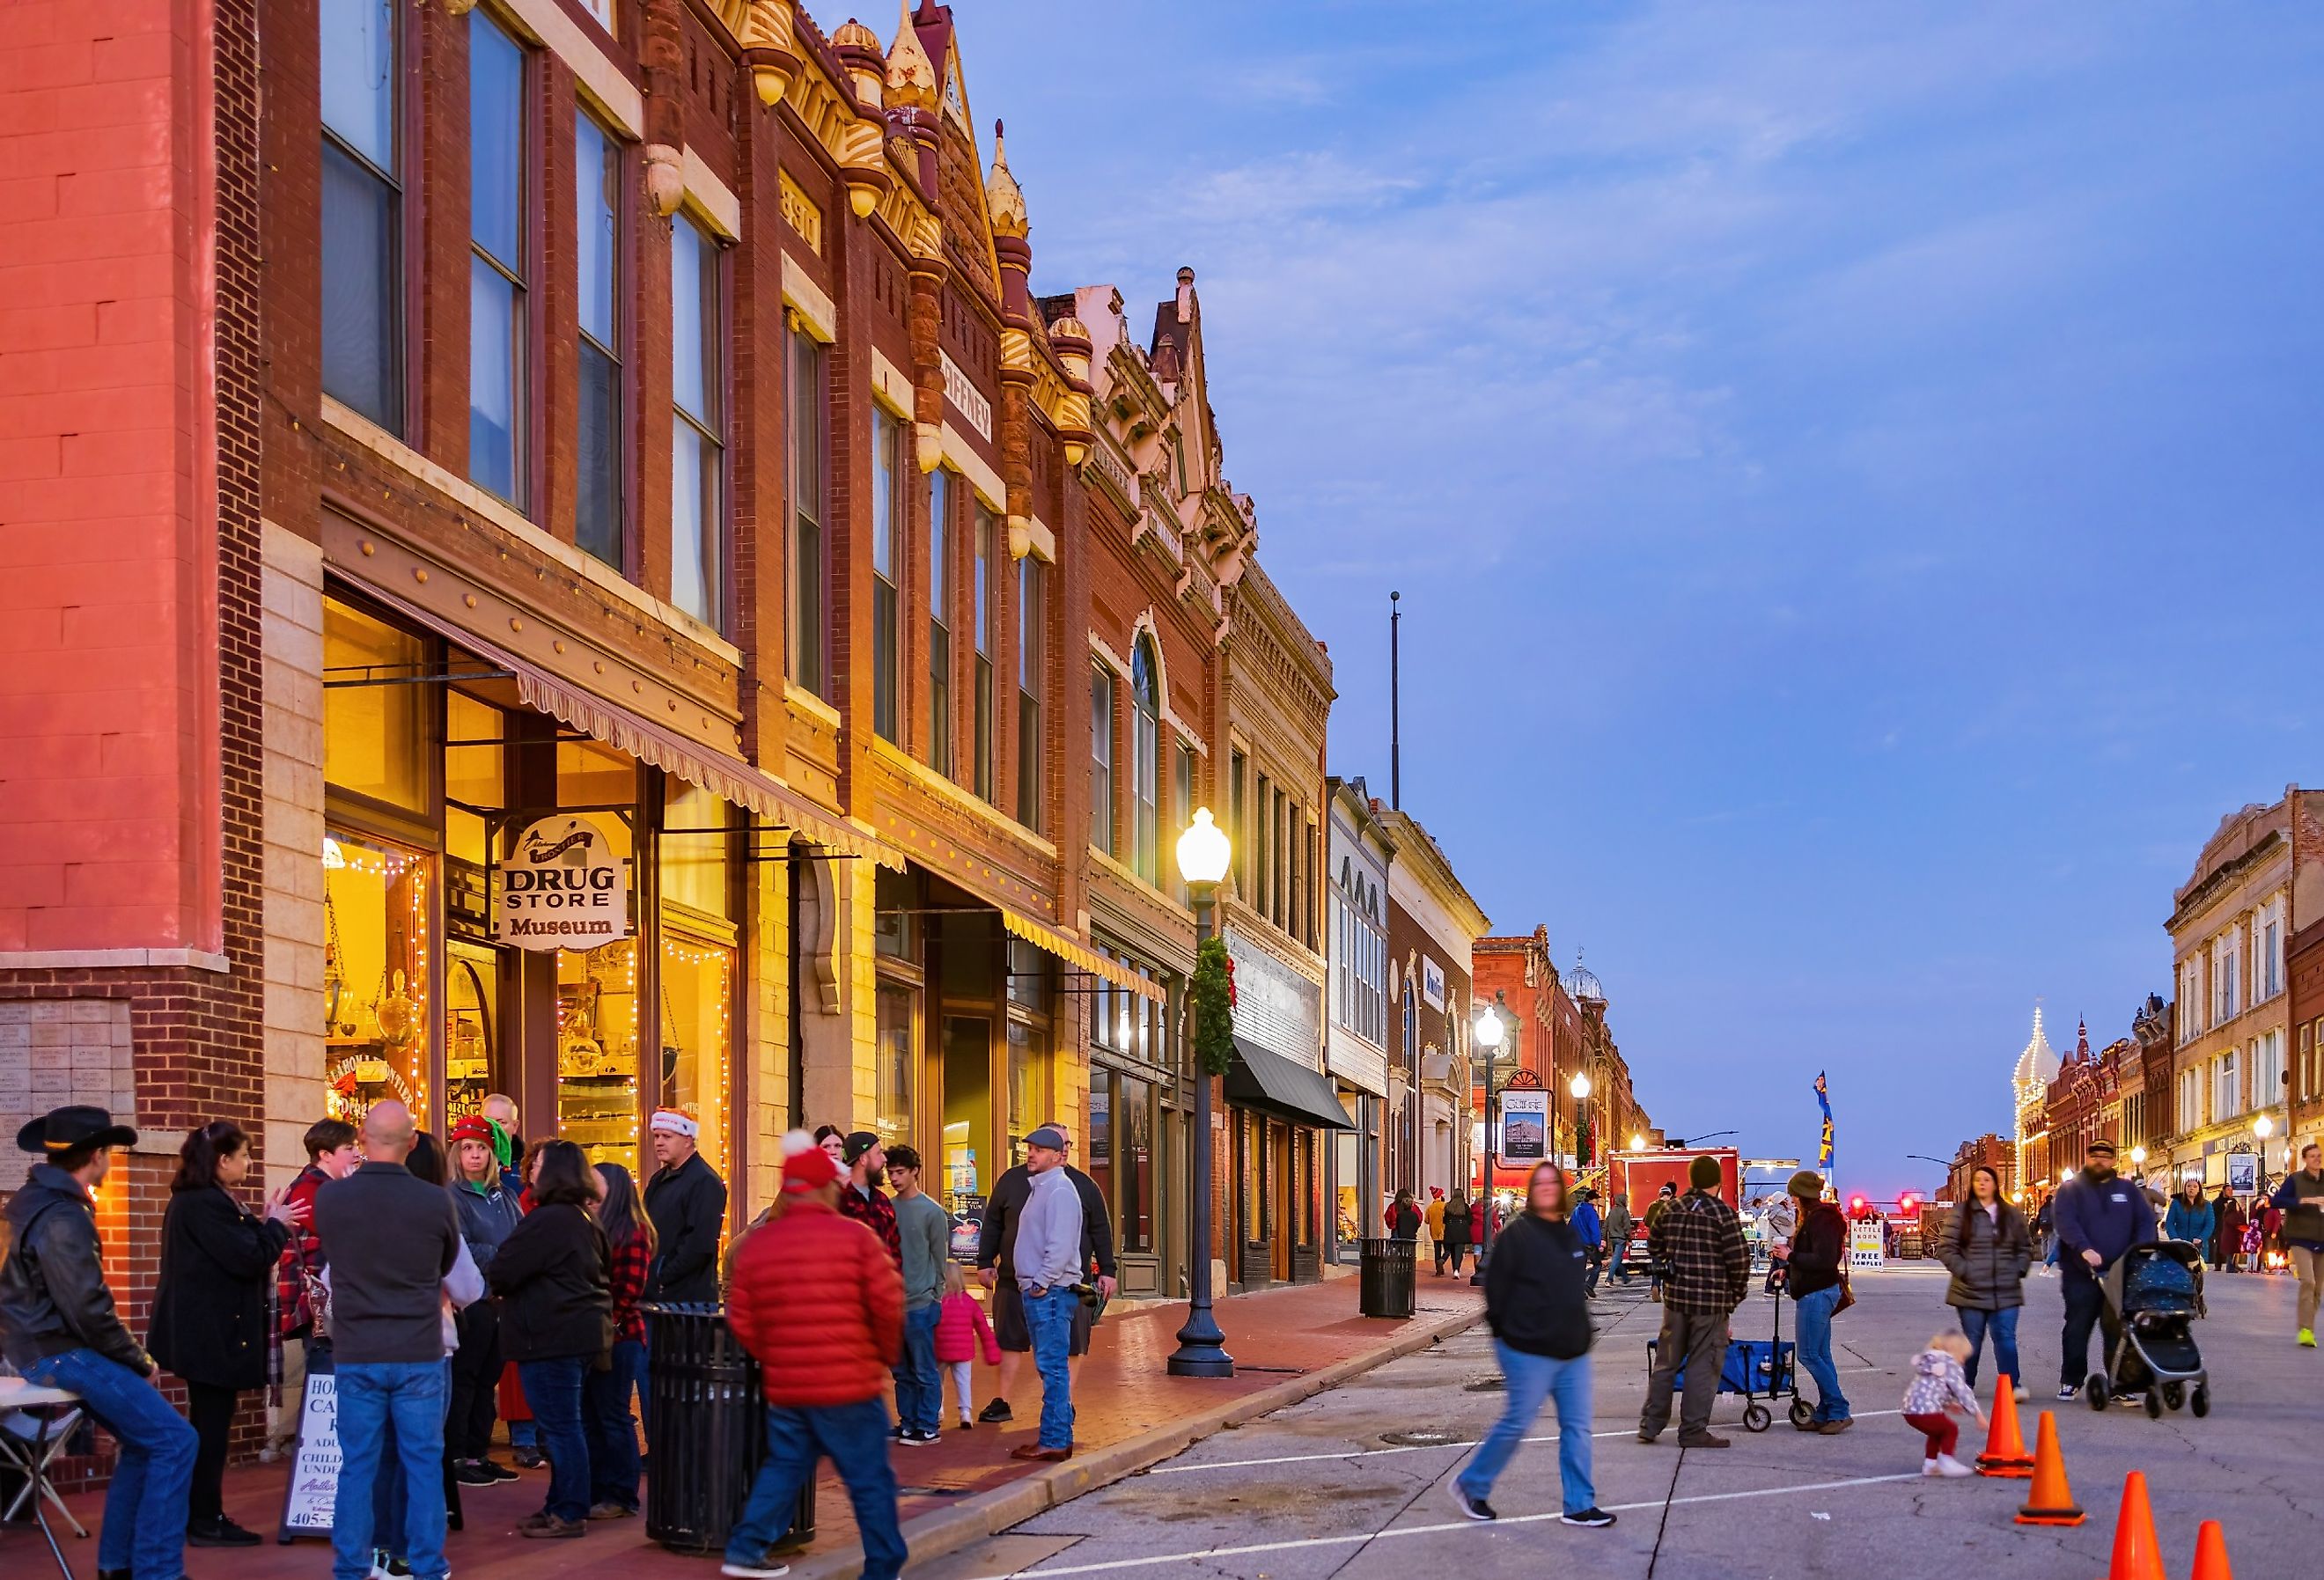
pixel 1080 956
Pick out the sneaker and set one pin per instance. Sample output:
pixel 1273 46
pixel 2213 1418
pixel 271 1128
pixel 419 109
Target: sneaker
pixel 1930 1467
pixel 1947 1465
pixel 761 1570
pixel 499 1472
pixel 386 1566
pixel 220 1533
pixel 997 1411
pixel 1470 1508
pixel 913 1437
pixel 2307 1338
pixel 476 1472
pixel 610 1510
pixel 1592 1517
pixel 2068 1393
pixel 1709 1441
pixel 966 1420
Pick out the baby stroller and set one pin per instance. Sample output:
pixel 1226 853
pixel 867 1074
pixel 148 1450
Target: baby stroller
pixel 2156 1293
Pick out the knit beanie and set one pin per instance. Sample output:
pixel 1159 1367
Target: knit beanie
pixel 1807 1185
pixel 1703 1174
pixel 806 1166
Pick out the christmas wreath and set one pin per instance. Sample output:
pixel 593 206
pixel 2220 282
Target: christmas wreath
pixel 1214 1006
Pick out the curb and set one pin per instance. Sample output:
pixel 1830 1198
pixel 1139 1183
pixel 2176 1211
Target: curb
pixel 948 1530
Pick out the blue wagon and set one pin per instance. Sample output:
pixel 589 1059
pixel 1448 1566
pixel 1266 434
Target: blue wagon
pixel 1759 1369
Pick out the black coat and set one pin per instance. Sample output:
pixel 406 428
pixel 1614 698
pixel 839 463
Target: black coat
pixel 1989 1271
pixel 1818 1251
pixel 1458 1222
pixel 688 1205
pixel 209 1304
pixel 554 1276
pixel 1536 1293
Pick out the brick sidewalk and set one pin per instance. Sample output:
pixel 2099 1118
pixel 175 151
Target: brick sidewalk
pixel 1122 1390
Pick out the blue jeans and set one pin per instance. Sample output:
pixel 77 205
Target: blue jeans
pixel 1590 1279
pixel 1530 1380
pixel 920 1397
pixel 553 1389
pixel 2003 1326
pixel 614 1464
pixel 1816 1352
pixel 524 1434
pixel 1049 1320
pixel 414 1395
pixel 144 1529
pixel 855 1436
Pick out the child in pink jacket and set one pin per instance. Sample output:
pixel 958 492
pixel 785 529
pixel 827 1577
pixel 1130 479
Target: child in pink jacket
pixel 961 1331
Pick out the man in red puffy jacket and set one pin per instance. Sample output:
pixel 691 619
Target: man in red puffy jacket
pixel 817 1301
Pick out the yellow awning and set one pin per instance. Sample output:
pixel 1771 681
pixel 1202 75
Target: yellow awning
pixel 1079 955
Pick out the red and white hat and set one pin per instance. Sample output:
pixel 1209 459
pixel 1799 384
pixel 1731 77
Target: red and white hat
pixel 675 1123
pixel 806 1166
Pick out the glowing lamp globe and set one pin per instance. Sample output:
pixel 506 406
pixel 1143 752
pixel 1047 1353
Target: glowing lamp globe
pixel 1578 1085
pixel 2137 1156
pixel 2264 1126
pixel 1489 1030
pixel 1203 850
pixel 1637 1144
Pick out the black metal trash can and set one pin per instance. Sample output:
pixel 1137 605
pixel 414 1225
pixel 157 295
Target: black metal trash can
pixel 705 1431
pixel 1385 1277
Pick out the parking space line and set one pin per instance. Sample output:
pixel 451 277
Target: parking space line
pixel 1359 1538
pixel 1412 1448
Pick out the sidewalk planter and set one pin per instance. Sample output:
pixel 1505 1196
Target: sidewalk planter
pixel 705 1431
pixel 1384 1279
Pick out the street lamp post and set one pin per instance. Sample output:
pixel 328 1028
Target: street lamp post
pixel 1580 1087
pixel 1203 857
pixel 1490 1032
pixel 2263 1127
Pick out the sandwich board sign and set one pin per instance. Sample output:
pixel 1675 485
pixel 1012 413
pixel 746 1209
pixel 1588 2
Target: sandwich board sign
pixel 314 1487
pixel 1866 1248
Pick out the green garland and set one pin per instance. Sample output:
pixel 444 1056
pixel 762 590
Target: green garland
pixel 1214 992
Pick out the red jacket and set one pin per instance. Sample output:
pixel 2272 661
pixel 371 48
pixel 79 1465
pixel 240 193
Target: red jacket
pixel 962 1329
pixel 818 1302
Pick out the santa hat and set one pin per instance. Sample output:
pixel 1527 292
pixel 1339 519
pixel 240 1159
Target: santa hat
pixel 806 1166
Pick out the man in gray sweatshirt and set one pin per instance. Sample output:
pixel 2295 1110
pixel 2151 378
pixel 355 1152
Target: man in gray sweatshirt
pixel 924 1232
pixel 1048 1260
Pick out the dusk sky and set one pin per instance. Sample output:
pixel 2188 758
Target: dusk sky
pixel 1852 471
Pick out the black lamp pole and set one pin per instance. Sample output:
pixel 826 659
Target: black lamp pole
pixel 1201 1351
pixel 1483 1205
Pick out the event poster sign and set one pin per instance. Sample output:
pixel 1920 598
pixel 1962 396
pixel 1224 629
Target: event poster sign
pixel 314 1486
pixel 1525 1125
pixel 2243 1172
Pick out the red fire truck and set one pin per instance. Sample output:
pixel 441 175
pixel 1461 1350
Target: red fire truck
pixel 1640 1177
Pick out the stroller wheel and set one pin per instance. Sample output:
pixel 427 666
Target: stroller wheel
pixel 1802 1412
pixel 2153 1405
pixel 1755 1418
pixel 2199 1401
pixel 2095 1391
pixel 2174 1394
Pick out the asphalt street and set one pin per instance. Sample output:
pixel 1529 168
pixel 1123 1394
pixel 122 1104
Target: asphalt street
pixel 1329 1490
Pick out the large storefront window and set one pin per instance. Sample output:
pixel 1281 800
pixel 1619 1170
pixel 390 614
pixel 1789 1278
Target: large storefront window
pixel 698 961
pixel 378 918
pixel 378 733
pixel 597 1051
pixel 894 1087
pixel 1029 1081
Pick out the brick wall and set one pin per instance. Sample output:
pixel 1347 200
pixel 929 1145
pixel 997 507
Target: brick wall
pixel 292 973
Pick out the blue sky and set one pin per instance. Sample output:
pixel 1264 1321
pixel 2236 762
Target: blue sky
pixel 1851 472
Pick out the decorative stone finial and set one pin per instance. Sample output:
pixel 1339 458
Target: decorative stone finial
pixel 1004 203
pixel 911 75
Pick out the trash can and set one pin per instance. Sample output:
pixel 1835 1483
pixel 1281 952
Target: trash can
pixel 705 1431
pixel 1384 1279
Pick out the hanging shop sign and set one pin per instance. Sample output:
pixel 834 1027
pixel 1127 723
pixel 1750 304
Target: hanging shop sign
pixel 562 887
pixel 2243 1173
pixel 1525 1125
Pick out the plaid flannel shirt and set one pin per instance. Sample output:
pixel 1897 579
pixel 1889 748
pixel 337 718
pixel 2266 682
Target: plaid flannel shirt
pixel 632 1260
pixel 303 1254
pixel 876 1213
pixel 1701 1240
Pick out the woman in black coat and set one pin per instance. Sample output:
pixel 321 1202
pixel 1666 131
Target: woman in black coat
pixel 1988 1253
pixel 209 1323
pixel 1459 1230
pixel 554 1276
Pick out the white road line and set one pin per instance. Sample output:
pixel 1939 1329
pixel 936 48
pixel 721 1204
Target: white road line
pixel 1411 1448
pixel 1359 1538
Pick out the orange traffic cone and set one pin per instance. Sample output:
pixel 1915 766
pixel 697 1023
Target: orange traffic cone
pixel 2137 1554
pixel 2051 1500
pixel 2211 1554
pixel 2004 1445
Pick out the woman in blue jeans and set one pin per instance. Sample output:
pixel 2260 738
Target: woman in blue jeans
pixel 1538 1304
pixel 1988 1253
pixel 1816 1278
pixel 553 1274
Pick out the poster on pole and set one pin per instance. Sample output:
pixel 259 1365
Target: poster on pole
pixel 314 1486
pixel 2243 1173
pixel 1525 1125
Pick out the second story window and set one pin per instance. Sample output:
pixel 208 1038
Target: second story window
pixel 1101 760
pixel 2225 979
pixel 362 210
pixel 940 618
pixel 1144 762
pixel 498 202
pixel 982 617
pixel 598 507
pixel 1182 805
pixel 1031 627
pixel 809 489
pixel 697 514
pixel 887 568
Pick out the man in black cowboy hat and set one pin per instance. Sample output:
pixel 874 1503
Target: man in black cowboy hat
pixel 59 1327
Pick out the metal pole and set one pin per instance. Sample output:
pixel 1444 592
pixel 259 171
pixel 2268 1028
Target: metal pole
pixel 1484 1205
pixel 1200 1351
pixel 1394 706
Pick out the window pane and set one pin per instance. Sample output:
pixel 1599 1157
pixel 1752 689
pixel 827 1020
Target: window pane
pixel 805 406
pixel 1030 620
pixel 495 142
pixel 358 67
pixel 597 465
pixel 694 316
pixel 362 317
pixel 983 588
pixel 494 345
pixel 597 1049
pixel 1030 623
pixel 696 991
pixel 693 515
pixel 376 739
pixel 1102 761
pixel 886 556
pixel 377 911
pixel 894 1087
pixel 597 172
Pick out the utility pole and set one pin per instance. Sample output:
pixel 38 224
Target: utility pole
pixel 1395 704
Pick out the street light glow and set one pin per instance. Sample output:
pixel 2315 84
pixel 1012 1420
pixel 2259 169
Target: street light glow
pixel 1489 1030
pixel 1203 850
pixel 1637 1144
pixel 1578 1085
pixel 2137 1156
pixel 2264 1126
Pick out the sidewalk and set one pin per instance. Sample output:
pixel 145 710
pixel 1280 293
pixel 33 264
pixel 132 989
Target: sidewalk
pixel 1130 1413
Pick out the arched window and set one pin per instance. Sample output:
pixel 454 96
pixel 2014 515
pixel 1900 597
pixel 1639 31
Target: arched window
pixel 1144 762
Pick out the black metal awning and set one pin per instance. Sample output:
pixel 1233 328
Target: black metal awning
pixel 1289 1090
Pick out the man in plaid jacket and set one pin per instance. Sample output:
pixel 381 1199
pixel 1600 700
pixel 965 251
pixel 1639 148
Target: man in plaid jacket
pixel 1701 1240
